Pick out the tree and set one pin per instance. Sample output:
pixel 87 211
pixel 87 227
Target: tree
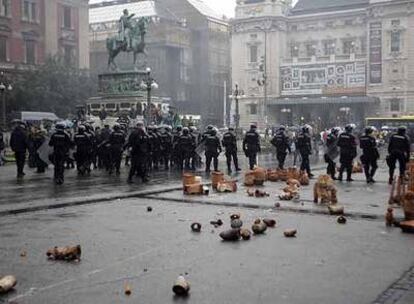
pixel 52 87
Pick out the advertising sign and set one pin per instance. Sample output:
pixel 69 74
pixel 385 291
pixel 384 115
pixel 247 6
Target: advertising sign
pixel 375 52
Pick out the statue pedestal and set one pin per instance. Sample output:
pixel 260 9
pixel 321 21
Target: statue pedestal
pixel 125 82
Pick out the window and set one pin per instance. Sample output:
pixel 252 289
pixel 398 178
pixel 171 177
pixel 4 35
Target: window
pixel 395 41
pixel 253 53
pixel 3 49
pixel 348 46
pixel 29 11
pixel 363 45
pixel 67 17
pixel 253 36
pixel 329 47
pixel 310 49
pixel 395 22
pixel 294 50
pixel 348 22
pixel 294 28
pixel 395 104
pixel 5 9
pixel 30 52
pixel 68 54
pixel 253 109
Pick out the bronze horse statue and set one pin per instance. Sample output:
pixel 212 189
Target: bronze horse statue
pixel 137 36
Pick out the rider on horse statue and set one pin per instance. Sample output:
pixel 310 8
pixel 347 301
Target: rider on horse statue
pixel 124 30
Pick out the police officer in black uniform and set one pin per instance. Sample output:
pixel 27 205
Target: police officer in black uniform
pixel 251 145
pixel 175 155
pixel 117 141
pixel 83 149
pixel 139 142
pixel 213 150
pixel 348 151
pixel 304 145
pixel 61 143
pixel 282 144
pixel 331 152
pixel 370 154
pixel 19 145
pixel 155 147
pixel 399 150
pixel 230 143
pixel 166 146
pixel 185 146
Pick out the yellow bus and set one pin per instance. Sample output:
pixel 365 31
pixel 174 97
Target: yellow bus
pixel 392 123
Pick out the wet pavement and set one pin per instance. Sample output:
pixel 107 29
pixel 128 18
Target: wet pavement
pixel 360 262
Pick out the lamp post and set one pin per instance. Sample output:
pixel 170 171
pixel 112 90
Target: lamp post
pixel 237 93
pixel 5 87
pixel 263 69
pixel 149 84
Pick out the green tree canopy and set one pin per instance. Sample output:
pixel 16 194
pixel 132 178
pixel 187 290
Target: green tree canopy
pixel 52 87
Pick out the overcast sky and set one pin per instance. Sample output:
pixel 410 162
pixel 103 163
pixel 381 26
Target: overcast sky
pixel 223 7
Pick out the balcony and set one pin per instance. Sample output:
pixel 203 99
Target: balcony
pixel 323 59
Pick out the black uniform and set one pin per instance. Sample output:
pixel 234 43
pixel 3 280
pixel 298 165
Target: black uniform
pixel 369 156
pixel 18 143
pixel 281 142
pixel 398 149
pixel 83 149
pixel 103 149
pixel 213 150
pixel 348 151
pixel 184 148
pixel 155 148
pixel 331 153
pixel 230 143
pixel 251 146
pixel 166 148
pixel 304 145
pixel 61 143
pixel 139 142
pixel 38 139
pixel 117 141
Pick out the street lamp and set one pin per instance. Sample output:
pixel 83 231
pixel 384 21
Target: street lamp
pixel 149 84
pixel 5 87
pixel 237 93
pixel 264 81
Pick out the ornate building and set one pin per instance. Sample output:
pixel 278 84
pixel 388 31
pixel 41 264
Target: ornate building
pixel 188 49
pixel 31 30
pixel 324 62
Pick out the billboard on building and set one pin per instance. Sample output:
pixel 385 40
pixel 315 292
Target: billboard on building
pixel 323 79
pixel 375 52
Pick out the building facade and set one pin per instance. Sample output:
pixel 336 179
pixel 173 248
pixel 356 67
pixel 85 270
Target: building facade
pixel 31 30
pixel 324 62
pixel 188 48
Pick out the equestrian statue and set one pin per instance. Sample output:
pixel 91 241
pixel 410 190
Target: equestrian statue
pixel 130 38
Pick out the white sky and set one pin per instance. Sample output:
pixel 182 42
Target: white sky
pixel 223 7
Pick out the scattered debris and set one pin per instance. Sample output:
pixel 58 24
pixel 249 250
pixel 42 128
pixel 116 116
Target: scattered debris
pixel 230 235
pixel 196 227
pixel 127 289
pixel 67 253
pixel 408 205
pixel 7 283
pixel 257 193
pixel 389 217
pixel 325 189
pixel 357 168
pixel 341 219
pixel 259 226
pixel 259 176
pixel 149 208
pixel 227 186
pixel 277 205
pixel 235 216
pixel 216 178
pixel 407 226
pixel 269 222
pixel 192 185
pixel 181 286
pixel 236 223
pixel 290 232
pixel 23 253
pixel 217 223
pixel 336 210
pixel 245 234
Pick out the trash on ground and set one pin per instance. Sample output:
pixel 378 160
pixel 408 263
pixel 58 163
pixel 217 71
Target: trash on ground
pixel 181 286
pixel 389 217
pixel 259 227
pixel 127 289
pixel 196 227
pixel 325 190
pixel 407 226
pixel 236 223
pixel 290 232
pixel 341 219
pixel 336 210
pixel 67 253
pixel 245 234
pixel 7 283
pixel 230 235
pixel 269 222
